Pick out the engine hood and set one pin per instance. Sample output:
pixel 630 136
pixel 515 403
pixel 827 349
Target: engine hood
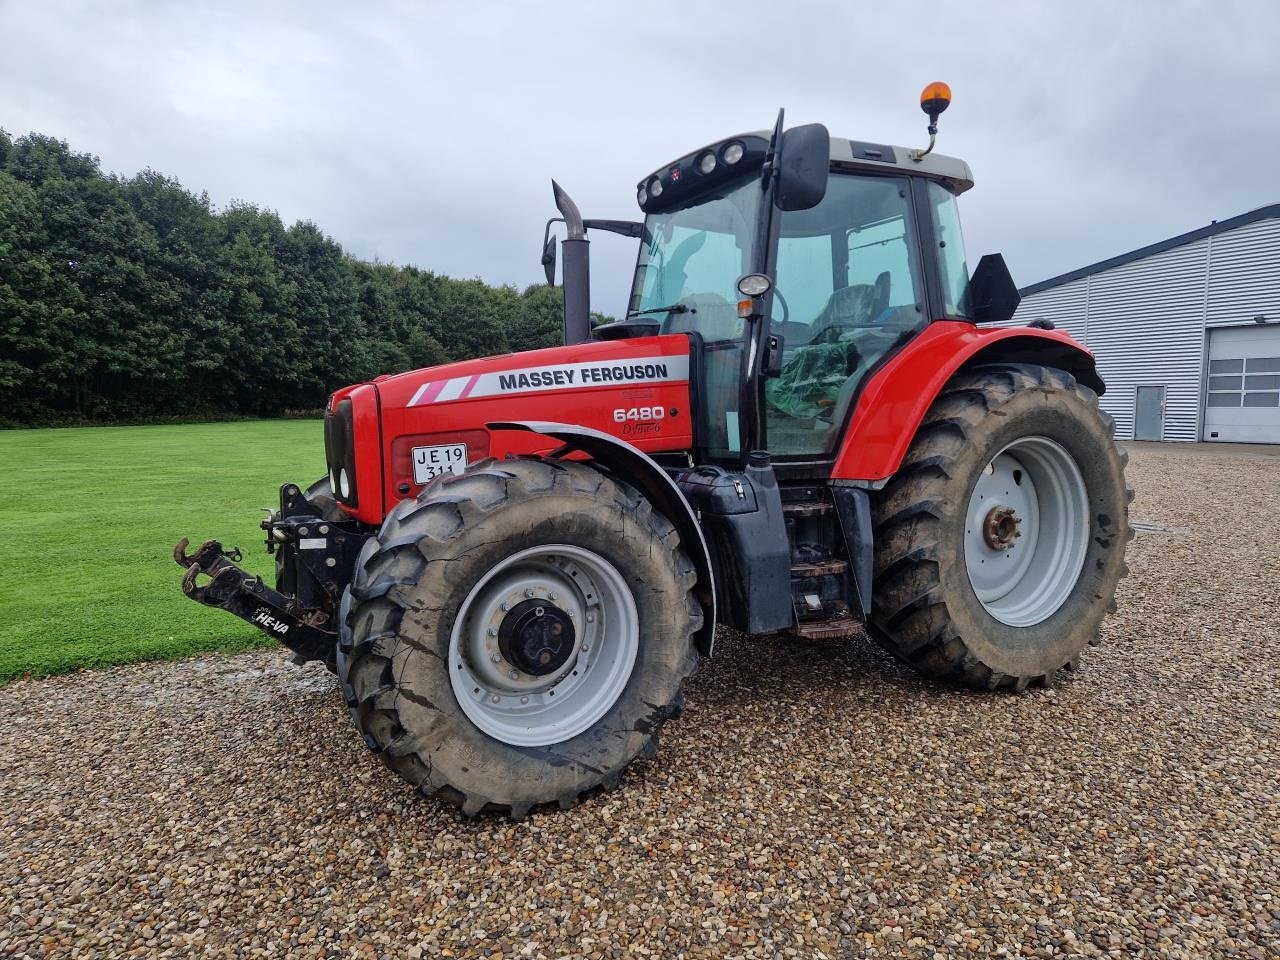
pixel 636 390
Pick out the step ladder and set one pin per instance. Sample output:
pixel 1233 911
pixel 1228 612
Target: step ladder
pixel 819 580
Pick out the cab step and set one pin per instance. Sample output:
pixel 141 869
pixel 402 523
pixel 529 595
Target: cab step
pixel 806 508
pixel 823 568
pixel 838 621
pixel 819 576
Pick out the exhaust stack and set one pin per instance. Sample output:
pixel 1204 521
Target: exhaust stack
pixel 576 272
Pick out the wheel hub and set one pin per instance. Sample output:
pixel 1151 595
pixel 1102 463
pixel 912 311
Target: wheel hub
pixel 536 637
pixel 1001 528
pixel 1026 531
pixel 543 644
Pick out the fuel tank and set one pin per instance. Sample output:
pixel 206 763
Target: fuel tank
pixel 433 420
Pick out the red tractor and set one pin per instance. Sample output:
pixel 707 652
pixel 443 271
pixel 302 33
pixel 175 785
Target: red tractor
pixel 800 428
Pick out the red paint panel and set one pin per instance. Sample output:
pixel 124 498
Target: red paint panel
pixel 477 442
pixel 583 384
pixel 897 397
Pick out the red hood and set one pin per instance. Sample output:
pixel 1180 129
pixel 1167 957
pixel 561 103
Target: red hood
pixel 636 390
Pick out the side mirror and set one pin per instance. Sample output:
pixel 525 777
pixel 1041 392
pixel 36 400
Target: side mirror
pixel 992 292
pixel 549 260
pixel 803 158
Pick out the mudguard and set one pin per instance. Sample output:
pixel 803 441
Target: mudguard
pixel 643 473
pixel 895 399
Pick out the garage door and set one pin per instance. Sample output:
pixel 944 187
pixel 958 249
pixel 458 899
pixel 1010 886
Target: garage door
pixel 1243 400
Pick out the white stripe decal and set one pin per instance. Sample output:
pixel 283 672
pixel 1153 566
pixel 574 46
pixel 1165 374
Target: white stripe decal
pixel 672 368
pixel 452 389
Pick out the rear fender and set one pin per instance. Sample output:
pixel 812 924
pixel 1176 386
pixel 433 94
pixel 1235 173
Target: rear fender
pixel 640 471
pixel 895 399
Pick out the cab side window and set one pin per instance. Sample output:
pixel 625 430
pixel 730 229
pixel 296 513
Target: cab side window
pixel 951 261
pixel 847 291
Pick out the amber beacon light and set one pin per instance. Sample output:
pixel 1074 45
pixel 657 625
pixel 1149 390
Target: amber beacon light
pixel 935 98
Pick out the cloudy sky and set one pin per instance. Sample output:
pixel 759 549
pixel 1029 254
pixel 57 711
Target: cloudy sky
pixel 428 132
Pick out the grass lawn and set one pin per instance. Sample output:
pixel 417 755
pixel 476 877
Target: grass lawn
pixel 88 520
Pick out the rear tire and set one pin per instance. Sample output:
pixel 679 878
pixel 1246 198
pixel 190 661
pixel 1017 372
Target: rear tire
pixel 416 621
pixel 1000 541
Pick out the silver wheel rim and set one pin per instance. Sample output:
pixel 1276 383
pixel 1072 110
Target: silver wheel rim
pixel 1027 531
pixel 515 706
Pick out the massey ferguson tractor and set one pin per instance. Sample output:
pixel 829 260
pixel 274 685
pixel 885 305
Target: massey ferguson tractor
pixel 811 422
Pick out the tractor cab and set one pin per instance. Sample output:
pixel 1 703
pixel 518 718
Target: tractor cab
pixel 853 248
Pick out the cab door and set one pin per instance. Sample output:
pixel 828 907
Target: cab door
pixel 848 290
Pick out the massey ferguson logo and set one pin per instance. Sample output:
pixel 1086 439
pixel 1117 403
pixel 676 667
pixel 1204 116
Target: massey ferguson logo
pixel 619 373
pixel 669 369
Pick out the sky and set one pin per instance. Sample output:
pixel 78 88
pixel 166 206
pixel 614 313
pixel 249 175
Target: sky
pixel 428 132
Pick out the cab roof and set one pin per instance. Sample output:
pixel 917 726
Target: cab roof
pixel 876 156
pixel 682 178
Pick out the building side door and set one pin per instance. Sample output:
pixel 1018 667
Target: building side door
pixel 1148 420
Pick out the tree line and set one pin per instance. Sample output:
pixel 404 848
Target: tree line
pixel 136 299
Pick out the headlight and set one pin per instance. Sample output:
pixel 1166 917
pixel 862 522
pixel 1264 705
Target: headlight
pixel 642 196
pixel 707 162
pixel 655 187
pixel 340 452
pixel 733 152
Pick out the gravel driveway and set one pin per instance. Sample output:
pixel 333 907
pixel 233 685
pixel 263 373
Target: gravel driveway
pixel 815 799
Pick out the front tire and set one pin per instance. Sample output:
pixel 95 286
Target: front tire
pixel 1000 541
pixel 518 635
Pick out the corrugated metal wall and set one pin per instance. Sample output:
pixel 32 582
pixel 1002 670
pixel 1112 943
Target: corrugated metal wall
pixel 1244 281
pixel 1145 320
pixel 1146 326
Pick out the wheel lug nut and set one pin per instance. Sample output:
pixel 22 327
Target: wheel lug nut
pixel 496 699
pixel 504 607
pixel 551 596
pixel 493 631
pixel 528 592
pixel 524 699
pixel 514 675
pixel 497 658
pixel 591 618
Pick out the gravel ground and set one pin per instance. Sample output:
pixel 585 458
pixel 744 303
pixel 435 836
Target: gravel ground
pixel 816 801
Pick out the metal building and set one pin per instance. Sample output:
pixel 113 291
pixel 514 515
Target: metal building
pixel 1186 331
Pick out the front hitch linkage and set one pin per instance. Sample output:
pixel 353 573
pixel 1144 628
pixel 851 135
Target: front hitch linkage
pixel 246 596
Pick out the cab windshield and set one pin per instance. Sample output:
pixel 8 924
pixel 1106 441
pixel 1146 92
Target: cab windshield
pixel 691 258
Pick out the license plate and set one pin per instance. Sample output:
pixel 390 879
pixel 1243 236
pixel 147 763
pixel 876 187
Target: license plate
pixel 431 462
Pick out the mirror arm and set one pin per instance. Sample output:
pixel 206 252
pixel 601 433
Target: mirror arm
pixel 768 172
pixel 625 228
pixel 546 231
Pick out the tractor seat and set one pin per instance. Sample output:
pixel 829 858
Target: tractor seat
pixel 856 304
